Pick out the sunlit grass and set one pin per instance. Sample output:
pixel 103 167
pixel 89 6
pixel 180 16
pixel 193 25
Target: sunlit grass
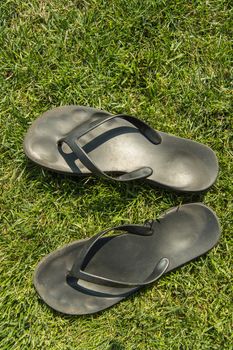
pixel 165 62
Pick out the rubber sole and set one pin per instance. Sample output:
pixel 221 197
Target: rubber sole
pixel 118 147
pixel 181 235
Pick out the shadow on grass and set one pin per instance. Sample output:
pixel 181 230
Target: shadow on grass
pixel 115 345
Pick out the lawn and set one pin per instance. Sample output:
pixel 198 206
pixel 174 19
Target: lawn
pixel 167 62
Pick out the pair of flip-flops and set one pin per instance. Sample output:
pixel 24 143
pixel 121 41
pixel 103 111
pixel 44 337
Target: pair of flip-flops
pixel 91 275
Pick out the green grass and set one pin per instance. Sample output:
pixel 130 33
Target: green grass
pixel 167 62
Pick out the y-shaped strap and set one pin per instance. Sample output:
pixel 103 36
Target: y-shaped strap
pixel 72 137
pixel 77 271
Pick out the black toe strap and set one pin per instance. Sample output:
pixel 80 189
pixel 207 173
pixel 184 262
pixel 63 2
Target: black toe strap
pixel 77 271
pixel 72 137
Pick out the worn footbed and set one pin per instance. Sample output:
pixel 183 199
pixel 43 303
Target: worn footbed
pixel 118 147
pixel 182 234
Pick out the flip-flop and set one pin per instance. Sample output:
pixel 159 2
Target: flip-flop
pixel 90 275
pixel 82 141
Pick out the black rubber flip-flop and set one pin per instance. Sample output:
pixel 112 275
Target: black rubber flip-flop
pixel 91 275
pixel 82 141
